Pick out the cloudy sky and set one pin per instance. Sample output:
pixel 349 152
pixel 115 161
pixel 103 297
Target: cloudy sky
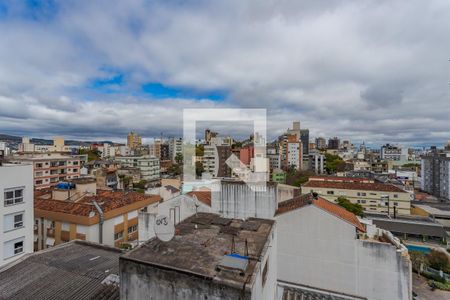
pixel 377 71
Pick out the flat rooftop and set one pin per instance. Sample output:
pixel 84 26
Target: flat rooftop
pixel 200 244
pixel 73 270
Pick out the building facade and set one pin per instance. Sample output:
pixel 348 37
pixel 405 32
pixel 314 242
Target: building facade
pixel 134 140
pixel 435 173
pixel 148 165
pixel 79 211
pixel 51 168
pixel 16 214
pixel 373 196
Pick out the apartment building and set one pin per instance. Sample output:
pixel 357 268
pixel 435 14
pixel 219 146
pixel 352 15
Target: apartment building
pixel 77 210
pixel 291 152
pixel 334 143
pixel 435 173
pixel 16 214
pixel 134 140
pixel 393 153
pixel 321 143
pixel 148 165
pixel 214 160
pixel 58 146
pixel 51 168
pixel 175 148
pixel 373 196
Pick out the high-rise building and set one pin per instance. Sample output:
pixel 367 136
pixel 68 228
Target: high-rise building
pixel 321 143
pixel 214 160
pixel 209 135
pixel 26 145
pixel 333 143
pixel 134 140
pixel 175 148
pixel 16 214
pixel 393 153
pixel 291 152
pixel 304 137
pixel 435 169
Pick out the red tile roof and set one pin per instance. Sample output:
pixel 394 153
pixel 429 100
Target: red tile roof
pixel 108 201
pixel 332 208
pixel 340 212
pixel 360 186
pixel 202 196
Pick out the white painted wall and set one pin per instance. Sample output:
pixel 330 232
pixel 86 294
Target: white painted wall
pixel 184 206
pixel 16 176
pixel 318 249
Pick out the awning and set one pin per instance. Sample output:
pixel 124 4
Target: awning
pixel 50 242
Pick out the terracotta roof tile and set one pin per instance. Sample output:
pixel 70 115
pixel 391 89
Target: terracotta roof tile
pixel 202 196
pixel 108 201
pixel 339 212
pixel 332 208
pixel 348 185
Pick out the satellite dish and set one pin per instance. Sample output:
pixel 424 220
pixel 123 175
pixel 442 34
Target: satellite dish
pixel 164 228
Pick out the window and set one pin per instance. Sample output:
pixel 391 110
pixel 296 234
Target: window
pixel 361 194
pixel 395 203
pixel 132 229
pixel 395 196
pixel 18 220
pixel 330 192
pixel 118 235
pixel 13 196
pixel 18 247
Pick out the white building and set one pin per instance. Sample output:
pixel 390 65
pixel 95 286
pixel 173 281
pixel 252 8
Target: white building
pixel 5 149
pixel 322 245
pixel 16 215
pixel 148 165
pixel 107 150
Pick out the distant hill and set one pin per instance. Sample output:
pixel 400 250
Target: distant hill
pixel 18 139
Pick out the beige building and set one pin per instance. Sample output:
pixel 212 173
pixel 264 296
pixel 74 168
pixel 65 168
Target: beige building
pixel 373 196
pixel 51 168
pixel 134 140
pixel 77 210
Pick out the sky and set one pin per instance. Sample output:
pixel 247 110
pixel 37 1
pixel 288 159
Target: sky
pixel 374 71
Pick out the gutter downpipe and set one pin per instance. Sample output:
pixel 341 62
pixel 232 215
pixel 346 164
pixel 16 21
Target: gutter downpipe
pixel 102 219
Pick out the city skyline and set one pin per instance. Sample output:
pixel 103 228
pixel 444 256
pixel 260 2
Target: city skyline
pixel 331 66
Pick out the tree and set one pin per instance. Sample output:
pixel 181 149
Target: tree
pixel 92 154
pixel 199 169
pixel 179 158
pixel 199 150
pixel 417 258
pixel 357 209
pixel 296 177
pixel 332 162
pixel 438 260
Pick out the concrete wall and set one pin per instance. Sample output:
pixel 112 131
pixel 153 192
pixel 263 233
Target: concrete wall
pixel 139 281
pixel 237 200
pixel 318 249
pixel 178 209
pixel 12 176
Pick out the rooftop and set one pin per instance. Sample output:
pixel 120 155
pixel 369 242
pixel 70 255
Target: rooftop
pixel 202 196
pixel 344 183
pixel 201 244
pixel 332 208
pixel 108 201
pixel 73 270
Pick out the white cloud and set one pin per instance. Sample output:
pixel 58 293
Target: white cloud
pixel 374 71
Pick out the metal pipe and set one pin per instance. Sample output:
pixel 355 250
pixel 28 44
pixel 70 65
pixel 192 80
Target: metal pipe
pixel 102 219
